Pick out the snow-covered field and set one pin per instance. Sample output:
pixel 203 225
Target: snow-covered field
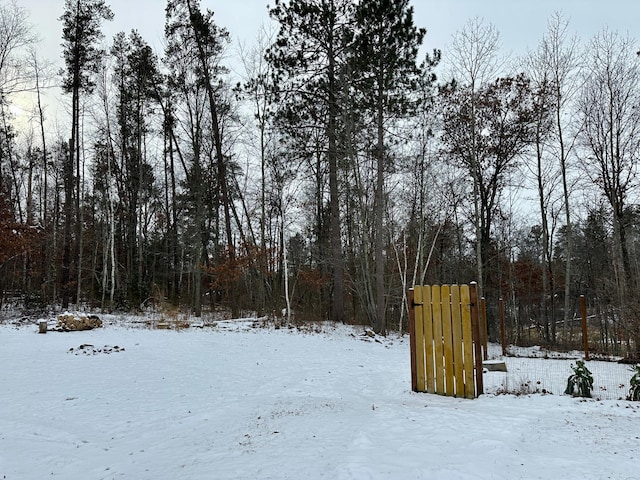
pixel 235 402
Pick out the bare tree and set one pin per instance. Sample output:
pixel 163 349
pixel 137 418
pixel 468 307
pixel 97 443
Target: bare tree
pixel 16 34
pixel 474 62
pixel 42 77
pixel 609 107
pixel 486 133
pixel 108 278
pixel 564 61
pixel 554 68
pixel 474 53
pixel 259 95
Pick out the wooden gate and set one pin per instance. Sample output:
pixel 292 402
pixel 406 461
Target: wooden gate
pixel 446 347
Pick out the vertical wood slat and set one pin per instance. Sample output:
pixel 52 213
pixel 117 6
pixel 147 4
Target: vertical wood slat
pixel 447 340
pixel 418 301
pixel 483 329
pixel 456 334
pixel 467 342
pixel 428 339
pixel 438 350
pixel 412 339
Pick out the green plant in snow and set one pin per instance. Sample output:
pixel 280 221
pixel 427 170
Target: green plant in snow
pixel 634 391
pixel 580 383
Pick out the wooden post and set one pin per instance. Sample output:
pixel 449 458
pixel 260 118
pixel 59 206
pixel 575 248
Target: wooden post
pixel 412 341
pixel 483 329
pixel 477 339
pixel 503 335
pixel 42 326
pixel 585 333
pixel 467 339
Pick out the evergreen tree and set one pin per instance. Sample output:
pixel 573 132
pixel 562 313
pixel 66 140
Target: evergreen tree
pixel 311 49
pixel 135 76
pixel 81 31
pixel 195 45
pixel 386 74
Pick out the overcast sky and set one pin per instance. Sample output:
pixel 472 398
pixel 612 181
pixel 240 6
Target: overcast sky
pixel 521 23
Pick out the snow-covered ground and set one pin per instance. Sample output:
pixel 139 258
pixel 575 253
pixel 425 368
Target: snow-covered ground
pixel 235 402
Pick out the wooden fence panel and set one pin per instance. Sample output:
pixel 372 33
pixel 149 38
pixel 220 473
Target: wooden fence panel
pixel 442 342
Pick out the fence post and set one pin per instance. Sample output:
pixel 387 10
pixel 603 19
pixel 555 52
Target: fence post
pixel 585 333
pixel 503 335
pixel 475 325
pixel 483 329
pixel 412 341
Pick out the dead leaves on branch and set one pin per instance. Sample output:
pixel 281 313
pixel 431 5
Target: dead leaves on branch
pixel 15 238
pixel 231 266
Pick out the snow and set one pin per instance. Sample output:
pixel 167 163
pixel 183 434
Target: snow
pixel 236 402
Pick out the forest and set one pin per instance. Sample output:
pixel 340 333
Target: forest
pixel 342 167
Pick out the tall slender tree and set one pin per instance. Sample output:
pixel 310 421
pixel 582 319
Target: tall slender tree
pixel 258 92
pixel 555 67
pixel 474 63
pixel 195 45
pixel 544 174
pixel 135 75
pixel 609 108
pixel 386 70
pixel 81 31
pixel 311 47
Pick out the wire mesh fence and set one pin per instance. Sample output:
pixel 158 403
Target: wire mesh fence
pixel 536 370
pixel 601 331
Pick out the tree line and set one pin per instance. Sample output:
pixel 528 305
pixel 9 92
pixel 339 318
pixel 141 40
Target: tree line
pixel 336 172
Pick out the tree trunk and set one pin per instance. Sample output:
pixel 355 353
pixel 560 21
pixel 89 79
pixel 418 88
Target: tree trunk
pixel 217 137
pixel 569 231
pixel 337 260
pixel 66 233
pixel 550 335
pixel 380 323
pixel 79 212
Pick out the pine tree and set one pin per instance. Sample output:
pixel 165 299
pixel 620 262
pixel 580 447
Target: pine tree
pixel 135 76
pixel 195 45
pixel 81 24
pixel 310 50
pixel 386 71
